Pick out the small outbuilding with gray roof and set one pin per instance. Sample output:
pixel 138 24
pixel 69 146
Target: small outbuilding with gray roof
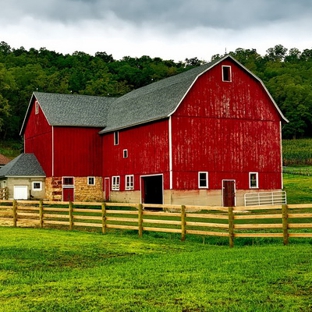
pixel 24 178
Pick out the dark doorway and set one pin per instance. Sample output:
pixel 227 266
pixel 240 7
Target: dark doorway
pixel 228 192
pixel 152 190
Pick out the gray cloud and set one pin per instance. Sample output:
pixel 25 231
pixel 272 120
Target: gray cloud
pixel 172 29
pixel 179 14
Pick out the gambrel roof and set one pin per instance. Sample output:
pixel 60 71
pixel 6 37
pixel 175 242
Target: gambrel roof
pixel 24 165
pixel 160 99
pixel 153 102
pixel 71 110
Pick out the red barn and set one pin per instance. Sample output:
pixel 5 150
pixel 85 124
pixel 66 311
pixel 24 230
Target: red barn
pixel 205 136
pixel 62 131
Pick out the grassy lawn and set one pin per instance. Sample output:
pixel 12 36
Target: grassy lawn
pixel 51 270
pixel 298 187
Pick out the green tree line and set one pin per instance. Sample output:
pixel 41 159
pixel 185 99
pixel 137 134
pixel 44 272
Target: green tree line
pixel 286 73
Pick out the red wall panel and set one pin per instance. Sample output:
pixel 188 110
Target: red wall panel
pixel 148 152
pixel 228 129
pixel 77 152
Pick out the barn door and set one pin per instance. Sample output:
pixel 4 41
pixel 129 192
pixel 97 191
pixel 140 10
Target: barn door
pixel 68 188
pixel 228 193
pixel 106 189
pixel 152 189
pixel 68 194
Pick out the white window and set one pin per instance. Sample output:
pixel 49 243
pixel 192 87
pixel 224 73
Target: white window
pixel 68 181
pixel 202 179
pixel 129 182
pixel 116 138
pixel 91 180
pixel 125 153
pixel 37 186
pixel 253 180
pixel 226 73
pixel 116 183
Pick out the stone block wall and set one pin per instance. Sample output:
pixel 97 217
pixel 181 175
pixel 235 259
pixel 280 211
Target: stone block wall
pixel 85 192
pixel 82 191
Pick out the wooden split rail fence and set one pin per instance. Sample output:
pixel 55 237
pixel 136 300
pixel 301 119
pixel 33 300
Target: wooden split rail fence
pixel 278 221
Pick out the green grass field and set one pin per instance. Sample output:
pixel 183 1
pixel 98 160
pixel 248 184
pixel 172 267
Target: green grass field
pixel 70 271
pixel 51 270
pixel 298 187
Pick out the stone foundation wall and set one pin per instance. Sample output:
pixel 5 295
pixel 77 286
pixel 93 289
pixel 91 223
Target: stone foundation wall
pixel 54 188
pixel 175 197
pixel 82 191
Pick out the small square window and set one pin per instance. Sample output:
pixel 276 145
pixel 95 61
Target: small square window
pixel 116 183
pixel 226 73
pixel 202 179
pixel 68 181
pixel 91 180
pixel 129 182
pixel 125 153
pixel 253 180
pixel 116 138
pixel 37 186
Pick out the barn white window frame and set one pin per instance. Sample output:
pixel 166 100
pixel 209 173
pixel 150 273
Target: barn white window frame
pixel 226 73
pixel 36 107
pixel 116 138
pixel 129 182
pixel 125 153
pixel 115 183
pixel 66 180
pixel 203 177
pixel 36 186
pixel 254 180
pixel 91 180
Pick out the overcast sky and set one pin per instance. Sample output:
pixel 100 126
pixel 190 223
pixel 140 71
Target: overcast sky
pixel 170 29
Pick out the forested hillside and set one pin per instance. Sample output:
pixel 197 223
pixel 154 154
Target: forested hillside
pixel 286 73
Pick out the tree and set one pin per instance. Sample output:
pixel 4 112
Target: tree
pixel 277 53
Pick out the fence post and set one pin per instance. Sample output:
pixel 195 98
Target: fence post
pixel 103 218
pixel 285 224
pixel 183 223
pixel 41 213
pixel 140 219
pixel 231 227
pixel 14 213
pixel 71 216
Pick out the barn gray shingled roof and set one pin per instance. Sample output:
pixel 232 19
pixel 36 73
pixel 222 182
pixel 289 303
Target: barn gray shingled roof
pixel 153 102
pixel 72 110
pixel 24 165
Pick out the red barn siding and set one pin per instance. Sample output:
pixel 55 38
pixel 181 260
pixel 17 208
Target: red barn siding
pixel 38 139
pixel 228 129
pixel 147 147
pixel 77 152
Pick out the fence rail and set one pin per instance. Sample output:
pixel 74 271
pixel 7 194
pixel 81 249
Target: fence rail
pixel 278 221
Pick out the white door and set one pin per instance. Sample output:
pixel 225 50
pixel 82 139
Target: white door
pixel 20 192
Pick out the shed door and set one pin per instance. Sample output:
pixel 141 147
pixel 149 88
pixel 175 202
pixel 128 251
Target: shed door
pixel 68 194
pixel 20 192
pixel 228 192
pixel 107 189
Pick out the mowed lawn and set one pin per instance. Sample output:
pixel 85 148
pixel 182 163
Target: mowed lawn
pixel 52 270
